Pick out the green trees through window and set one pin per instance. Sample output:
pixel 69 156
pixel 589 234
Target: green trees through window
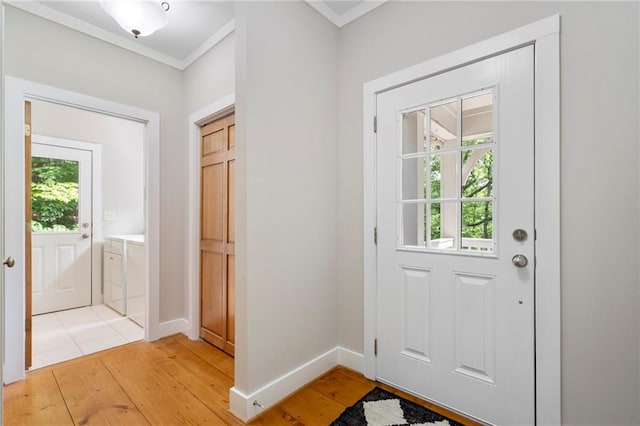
pixel 54 194
pixel 477 216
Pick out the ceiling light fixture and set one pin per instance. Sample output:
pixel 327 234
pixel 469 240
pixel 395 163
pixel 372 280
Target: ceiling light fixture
pixel 138 17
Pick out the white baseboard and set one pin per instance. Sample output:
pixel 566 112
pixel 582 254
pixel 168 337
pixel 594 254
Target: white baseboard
pixel 175 326
pixel 242 405
pixel 239 404
pixel 350 359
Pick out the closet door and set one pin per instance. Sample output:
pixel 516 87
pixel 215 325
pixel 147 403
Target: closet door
pixel 217 235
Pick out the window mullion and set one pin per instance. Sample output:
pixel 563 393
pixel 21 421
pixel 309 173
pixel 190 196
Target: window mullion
pixel 458 240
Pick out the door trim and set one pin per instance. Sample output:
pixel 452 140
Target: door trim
pixel 545 36
pixel 218 109
pixel 16 92
pixel 96 203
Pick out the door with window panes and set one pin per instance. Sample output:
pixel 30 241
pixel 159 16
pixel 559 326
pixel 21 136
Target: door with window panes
pixel 455 238
pixel 60 228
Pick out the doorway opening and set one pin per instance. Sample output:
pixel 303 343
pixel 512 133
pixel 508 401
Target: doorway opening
pixel 220 109
pixel 86 196
pixel 16 93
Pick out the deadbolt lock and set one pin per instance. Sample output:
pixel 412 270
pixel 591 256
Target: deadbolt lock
pixel 520 235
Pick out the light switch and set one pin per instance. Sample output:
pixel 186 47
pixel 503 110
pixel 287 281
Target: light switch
pixel 110 215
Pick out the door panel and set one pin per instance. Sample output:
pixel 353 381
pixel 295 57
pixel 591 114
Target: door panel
pixel 475 325
pixel 232 135
pixel 217 234
pixel 417 311
pixel 212 318
pixel 214 141
pixel 61 245
pixel 213 197
pixel 454 180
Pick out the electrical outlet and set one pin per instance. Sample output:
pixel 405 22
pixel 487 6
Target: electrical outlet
pixel 110 215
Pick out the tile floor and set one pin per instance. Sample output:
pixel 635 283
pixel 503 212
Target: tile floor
pixel 64 335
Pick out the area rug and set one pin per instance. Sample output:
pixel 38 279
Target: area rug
pixel 382 408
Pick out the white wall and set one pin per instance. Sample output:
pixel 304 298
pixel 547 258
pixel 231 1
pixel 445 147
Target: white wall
pixel 286 82
pixel 122 144
pixel 48 53
pixel 599 183
pixel 210 77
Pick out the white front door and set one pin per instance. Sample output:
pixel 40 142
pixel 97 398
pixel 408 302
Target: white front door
pixel 455 204
pixel 61 228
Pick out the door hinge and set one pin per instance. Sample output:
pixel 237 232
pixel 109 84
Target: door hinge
pixel 375 347
pixel 375 124
pixel 27 130
pixel 375 235
pixel 27 325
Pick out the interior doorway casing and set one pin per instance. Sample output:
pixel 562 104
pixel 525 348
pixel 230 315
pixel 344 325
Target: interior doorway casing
pixel 544 35
pixel 218 109
pixel 16 92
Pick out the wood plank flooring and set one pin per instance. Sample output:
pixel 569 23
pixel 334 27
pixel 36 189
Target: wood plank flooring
pixel 174 381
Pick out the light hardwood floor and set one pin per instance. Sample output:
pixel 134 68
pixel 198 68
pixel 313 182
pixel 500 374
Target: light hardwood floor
pixel 174 381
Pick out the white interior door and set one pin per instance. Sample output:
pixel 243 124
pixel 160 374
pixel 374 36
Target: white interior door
pixel 61 242
pixel 455 180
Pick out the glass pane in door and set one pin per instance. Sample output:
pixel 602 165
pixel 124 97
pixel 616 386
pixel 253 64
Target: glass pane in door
pixel 477 173
pixel 444 125
pixel 414 178
pixel 54 195
pixel 443 174
pixel 477 226
pixel 414 224
pixel 414 131
pixel 477 119
pixel 447 189
pixel 443 226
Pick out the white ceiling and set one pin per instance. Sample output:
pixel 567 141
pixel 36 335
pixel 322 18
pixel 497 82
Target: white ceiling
pixel 194 26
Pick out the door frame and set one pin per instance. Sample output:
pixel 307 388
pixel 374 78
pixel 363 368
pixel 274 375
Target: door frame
pixel 96 203
pixel 3 252
pixel 16 92
pixel 218 109
pixel 545 36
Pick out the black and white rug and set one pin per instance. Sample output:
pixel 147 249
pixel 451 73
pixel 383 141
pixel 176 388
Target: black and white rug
pixel 382 408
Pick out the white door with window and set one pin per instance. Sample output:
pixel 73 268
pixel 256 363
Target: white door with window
pixel 455 218
pixel 61 228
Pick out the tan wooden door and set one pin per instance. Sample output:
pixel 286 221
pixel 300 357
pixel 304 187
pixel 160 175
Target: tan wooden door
pixel 27 239
pixel 217 234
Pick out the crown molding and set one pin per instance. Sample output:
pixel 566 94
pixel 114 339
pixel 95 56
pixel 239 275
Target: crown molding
pixel 226 29
pixel 350 16
pixel 53 15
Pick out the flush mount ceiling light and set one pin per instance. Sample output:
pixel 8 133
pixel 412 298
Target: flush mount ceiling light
pixel 138 17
